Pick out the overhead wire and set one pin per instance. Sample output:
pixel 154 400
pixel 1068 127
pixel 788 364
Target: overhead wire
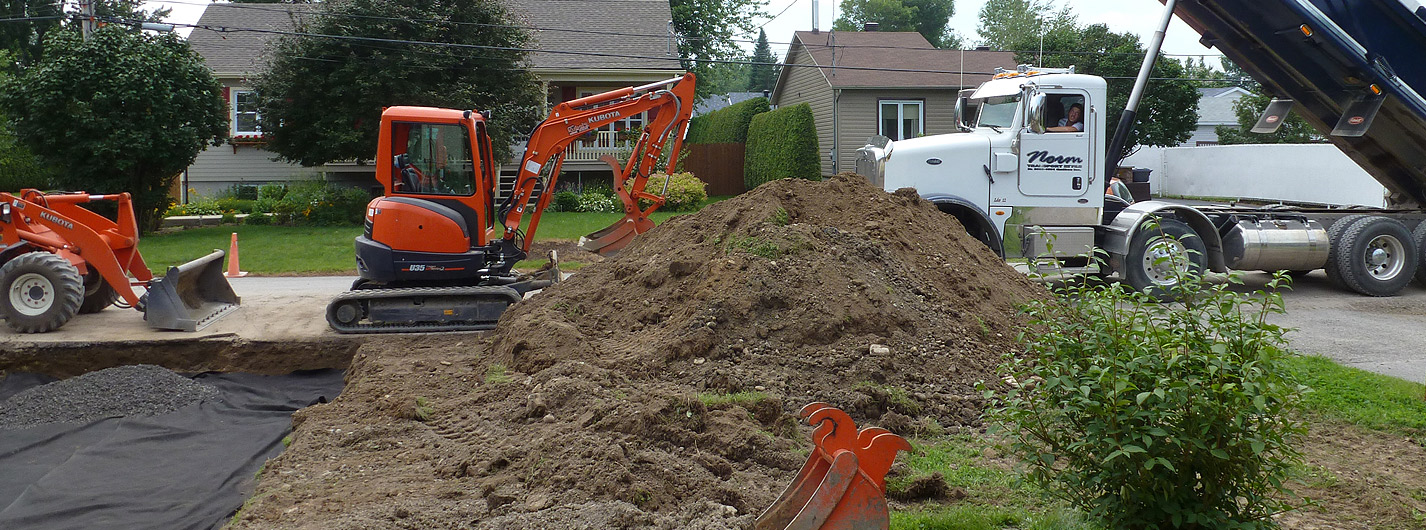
pixel 261 7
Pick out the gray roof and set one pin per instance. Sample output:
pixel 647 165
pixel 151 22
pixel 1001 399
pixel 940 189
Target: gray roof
pixel 639 28
pixel 617 27
pixel 238 53
pixel 723 101
pixel 851 50
pixel 1215 105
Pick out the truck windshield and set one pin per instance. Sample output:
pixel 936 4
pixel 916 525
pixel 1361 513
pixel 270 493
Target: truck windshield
pixel 998 111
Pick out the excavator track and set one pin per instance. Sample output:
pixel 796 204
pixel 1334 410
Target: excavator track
pixel 420 309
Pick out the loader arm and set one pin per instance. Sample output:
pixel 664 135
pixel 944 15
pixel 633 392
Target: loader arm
pixel 670 105
pixel 57 224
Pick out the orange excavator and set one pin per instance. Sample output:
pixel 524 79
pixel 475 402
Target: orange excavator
pixel 438 250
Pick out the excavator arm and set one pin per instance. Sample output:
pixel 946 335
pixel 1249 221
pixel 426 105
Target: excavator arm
pixel 670 106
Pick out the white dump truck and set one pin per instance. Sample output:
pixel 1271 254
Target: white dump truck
pixel 1027 186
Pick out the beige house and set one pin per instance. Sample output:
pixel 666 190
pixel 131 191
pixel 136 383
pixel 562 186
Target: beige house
pixel 582 48
pixel 864 83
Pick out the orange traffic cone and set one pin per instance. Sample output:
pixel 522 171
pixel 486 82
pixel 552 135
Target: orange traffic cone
pixel 233 271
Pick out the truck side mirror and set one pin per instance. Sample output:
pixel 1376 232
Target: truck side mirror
pixel 960 117
pixel 1035 114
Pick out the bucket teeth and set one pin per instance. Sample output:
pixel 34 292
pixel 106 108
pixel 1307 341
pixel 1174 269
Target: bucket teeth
pixel 843 483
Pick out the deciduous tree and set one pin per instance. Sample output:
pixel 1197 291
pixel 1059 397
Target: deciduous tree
pixel 121 112
pixel 320 98
pixel 1011 24
pixel 930 18
pixel 1294 130
pixel 708 31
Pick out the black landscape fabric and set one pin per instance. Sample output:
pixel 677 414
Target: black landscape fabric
pixel 191 468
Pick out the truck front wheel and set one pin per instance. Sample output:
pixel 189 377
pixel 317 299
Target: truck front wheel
pixel 1163 253
pixel 1376 256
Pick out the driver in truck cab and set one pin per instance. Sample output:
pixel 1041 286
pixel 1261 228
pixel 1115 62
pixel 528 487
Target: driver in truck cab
pixel 1072 122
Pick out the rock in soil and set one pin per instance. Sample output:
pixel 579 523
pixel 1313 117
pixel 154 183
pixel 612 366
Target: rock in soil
pixel 656 389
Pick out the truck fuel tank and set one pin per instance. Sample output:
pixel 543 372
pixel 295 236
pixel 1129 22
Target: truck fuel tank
pixel 1276 244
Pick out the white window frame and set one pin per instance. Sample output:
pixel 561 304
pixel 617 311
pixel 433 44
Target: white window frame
pixel 901 105
pixel 233 94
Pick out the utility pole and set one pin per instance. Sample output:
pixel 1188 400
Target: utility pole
pixel 86 17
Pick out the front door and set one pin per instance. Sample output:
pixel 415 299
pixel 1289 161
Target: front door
pixel 1057 163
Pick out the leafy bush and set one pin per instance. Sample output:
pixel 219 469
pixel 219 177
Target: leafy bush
pixel 273 192
pixel 728 125
pixel 321 204
pixel 265 205
pixel 1149 415
pixel 198 205
pixel 685 191
pixel 257 219
pixel 597 200
pixel 782 144
pixel 229 204
pixel 229 218
pixel 565 201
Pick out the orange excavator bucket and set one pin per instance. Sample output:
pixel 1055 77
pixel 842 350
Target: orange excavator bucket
pixel 843 484
pixel 613 238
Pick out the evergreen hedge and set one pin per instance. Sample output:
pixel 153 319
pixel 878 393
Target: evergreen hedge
pixel 725 126
pixel 782 144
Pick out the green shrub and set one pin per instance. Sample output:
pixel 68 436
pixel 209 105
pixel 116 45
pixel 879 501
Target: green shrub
pixel 596 200
pixel 1149 415
pixel 321 204
pixel 685 191
pixel 272 192
pixel 229 204
pixel 229 218
pixel 782 144
pixel 19 168
pixel 727 125
pixel 197 205
pixel 257 219
pixel 265 205
pixel 565 201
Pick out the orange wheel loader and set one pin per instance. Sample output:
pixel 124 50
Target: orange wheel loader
pixel 438 250
pixel 58 259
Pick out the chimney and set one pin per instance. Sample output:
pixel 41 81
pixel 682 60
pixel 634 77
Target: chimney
pixel 982 48
pixel 871 26
pixel 815 4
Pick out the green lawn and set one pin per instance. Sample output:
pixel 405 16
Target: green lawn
pixel 329 250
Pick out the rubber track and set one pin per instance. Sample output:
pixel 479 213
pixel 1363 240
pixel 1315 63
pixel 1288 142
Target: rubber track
pixel 484 291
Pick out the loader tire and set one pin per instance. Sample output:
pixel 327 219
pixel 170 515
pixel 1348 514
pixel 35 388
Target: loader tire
pixel 98 294
pixel 1160 256
pixel 41 291
pixel 1377 256
pixel 1334 242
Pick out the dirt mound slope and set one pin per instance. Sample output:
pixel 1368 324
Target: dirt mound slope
pixel 655 390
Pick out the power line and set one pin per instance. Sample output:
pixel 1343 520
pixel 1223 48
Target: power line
pixel 320 12
pixel 779 13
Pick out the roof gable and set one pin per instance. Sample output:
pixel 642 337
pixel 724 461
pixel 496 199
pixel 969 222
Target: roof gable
pixel 861 59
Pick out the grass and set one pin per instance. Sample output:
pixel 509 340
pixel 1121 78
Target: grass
pixel 286 250
pixel 1359 397
pixel 995 496
pixel 740 398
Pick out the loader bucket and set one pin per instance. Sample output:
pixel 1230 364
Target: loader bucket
pixel 615 237
pixel 843 484
pixel 191 296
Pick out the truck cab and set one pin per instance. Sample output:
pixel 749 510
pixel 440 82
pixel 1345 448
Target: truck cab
pixel 1009 177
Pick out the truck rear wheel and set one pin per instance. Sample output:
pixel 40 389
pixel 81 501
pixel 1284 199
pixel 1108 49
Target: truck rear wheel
pixel 1418 236
pixel 1162 255
pixel 1334 242
pixel 1376 256
pixel 41 292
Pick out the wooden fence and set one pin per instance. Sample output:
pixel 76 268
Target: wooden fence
pixel 720 165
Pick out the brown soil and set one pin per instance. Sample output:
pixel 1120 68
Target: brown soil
pixel 1360 479
pixel 212 354
pixel 654 389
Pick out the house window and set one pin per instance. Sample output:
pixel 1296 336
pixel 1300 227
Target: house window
pixel 899 120
pixel 245 115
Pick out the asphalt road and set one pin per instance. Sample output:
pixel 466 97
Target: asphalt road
pixel 1383 335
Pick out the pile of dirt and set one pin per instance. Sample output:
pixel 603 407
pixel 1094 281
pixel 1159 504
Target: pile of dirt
pixel 656 389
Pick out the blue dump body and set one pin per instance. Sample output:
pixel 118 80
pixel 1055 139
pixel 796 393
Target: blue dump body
pixel 1353 44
